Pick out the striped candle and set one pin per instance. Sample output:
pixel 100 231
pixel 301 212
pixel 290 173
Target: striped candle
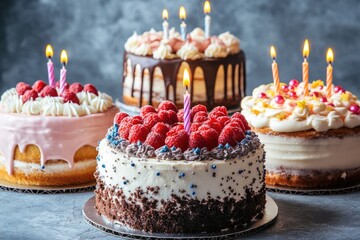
pixel 275 70
pixel 63 60
pixel 329 72
pixel 305 68
pixel 50 66
pixel 187 102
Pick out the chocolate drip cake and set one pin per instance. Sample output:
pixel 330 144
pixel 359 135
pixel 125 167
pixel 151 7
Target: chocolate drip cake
pixel 153 69
pixel 153 176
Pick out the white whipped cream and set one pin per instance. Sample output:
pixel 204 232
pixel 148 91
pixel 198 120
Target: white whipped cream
pixel 143 49
pixel 164 51
pixel 215 50
pixel 132 43
pixel 231 42
pixel 189 51
pixel 197 34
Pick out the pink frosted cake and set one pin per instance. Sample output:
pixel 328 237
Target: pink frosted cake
pixel 153 176
pixel 312 141
pixel 49 139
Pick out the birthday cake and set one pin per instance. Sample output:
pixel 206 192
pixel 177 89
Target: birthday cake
pixel 311 141
pixel 154 63
pixel 153 176
pixel 48 137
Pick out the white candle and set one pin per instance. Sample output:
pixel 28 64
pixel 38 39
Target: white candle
pixel 165 24
pixel 207 9
pixel 182 16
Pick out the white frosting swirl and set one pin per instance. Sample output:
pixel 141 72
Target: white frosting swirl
pixel 31 107
pixel 302 113
pixel 164 51
pixel 232 43
pixel 132 43
pixel 197 34
pixel 143 50
pixel 53 108
pixel 72 110
pixel 215 50
pixel 101 103
pixel 189 51
pixel 174 34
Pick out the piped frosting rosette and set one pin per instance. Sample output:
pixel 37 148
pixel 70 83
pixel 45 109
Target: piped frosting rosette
pixel 290 111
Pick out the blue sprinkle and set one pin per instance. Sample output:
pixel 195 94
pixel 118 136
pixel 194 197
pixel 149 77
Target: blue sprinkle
pixel 158 174
pixel 42 167
pixel 248 137
pixel 248 132
pixel 244 141
pixel 125 182
pixel 116 125
pixel 164 149
pixel 192 185
pixel 108 137
pixel 241 171
pixel 213 166
pixel 98 158
pixel 227 146
pixel 103 166
pixel 116 142
pixel 173 148
pixel 132 164
pixel 220 146
pixel 197 150
pixel 193 193
pixel 139 143
pixel 99 142
pixel 181 175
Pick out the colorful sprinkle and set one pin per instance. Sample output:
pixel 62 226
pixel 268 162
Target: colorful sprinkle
pixel 132 164
pixel 197 151
pixel 193 193
pixel 220 146
pixel 125 182
pixel 213 166
pixel 158 174
pixel 181 175
pixel 164 149
pixel 103 166
pixel 227 146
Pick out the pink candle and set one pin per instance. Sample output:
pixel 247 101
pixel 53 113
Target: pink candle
pixel 329 72
pixel 63 60
pixel 187 102
pixel 305 67
pixel 50 66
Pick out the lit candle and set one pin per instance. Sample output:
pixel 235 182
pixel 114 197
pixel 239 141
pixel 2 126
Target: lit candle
pixel 275 70
pixel 207 10
pixel 50 66
pixel 305 67
pixel 182 16
pixel 63 60
pixel 165 16
pixel 187 103
pixel 329 70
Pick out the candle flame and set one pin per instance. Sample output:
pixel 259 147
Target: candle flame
pixel 49 51
pixel 63 57
pixel 182 13
pixel 165 14
pixel 207 7
pixel 186 78
pixel 272 52
pixel 330 56
pixel 306 50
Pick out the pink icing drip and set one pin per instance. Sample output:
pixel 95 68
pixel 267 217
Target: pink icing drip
pixel 57 137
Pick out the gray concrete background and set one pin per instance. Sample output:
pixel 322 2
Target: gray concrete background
pixel 94 32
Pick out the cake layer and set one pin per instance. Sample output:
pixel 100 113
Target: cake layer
pixel 54 174
pixel 147 188
pixel 56 137
pixel 310 151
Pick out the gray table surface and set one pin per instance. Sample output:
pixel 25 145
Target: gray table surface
pixel 59 216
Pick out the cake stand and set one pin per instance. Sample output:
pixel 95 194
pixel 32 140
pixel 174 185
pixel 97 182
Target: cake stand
pixel 94 219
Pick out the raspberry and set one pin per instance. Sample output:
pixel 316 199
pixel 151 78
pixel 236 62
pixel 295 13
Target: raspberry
pixel 136 120
pixel 227 135
pixel 147 109
pixel 138 132
pixel 160 128
pixel 38 85
pixel 242 118
pixel 195 126
pixel 238 133
pixel 196 140
pixel 91 88
pixel 57 85
pixel 76 88
pixel 29 94
pixel 238 121
pixel 220 109
pixel 125 127
pixel 167 105
pixel 211 138
pixel 222 120
pixel 180 115
pixel 155 140
pixel 168 116
pixel 180 140
pixel 199 108
pixel 70 97
pixel 200 117
pixel 214 124
pixel 119 117
pixel 216 114
pixel 48 91
pixel 175 129
pixel 151 119
pixel 22 87
pixel 204 127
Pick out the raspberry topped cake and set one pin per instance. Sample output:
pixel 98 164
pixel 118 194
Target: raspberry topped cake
pixel 154 176
pixel 154 66
pixel 49 137
pixel 311 141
